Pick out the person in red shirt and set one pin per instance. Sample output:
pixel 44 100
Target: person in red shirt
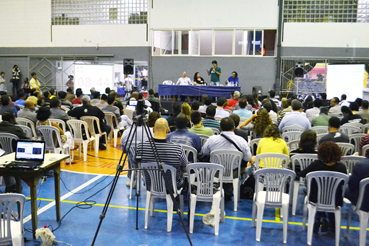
pixel 79 95
pixel 235 97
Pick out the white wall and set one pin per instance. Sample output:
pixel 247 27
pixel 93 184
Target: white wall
pixel 334 35
pixel 167 14
pixel 27 23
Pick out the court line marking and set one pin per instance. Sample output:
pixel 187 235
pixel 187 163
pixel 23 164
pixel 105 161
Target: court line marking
pixel 165 211
pixel 43 209
pixel 78 172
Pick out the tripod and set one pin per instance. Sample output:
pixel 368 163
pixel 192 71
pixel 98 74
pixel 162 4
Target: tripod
pixel 142 121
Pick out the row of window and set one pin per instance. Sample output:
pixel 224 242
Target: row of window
pixel 214 42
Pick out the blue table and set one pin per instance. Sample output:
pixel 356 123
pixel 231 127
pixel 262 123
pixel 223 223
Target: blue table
pixel 194 90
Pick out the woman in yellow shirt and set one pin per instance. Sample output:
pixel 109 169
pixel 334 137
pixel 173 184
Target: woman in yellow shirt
pixel 271 143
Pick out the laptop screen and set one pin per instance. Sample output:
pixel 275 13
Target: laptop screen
pixel 30 150
pixel 132 102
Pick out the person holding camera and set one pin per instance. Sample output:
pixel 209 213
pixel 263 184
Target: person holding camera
pixel 15 80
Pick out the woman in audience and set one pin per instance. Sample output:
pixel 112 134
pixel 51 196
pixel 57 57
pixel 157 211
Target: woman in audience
pixel 307 143
pixel 186 109
pixel 256 101
pixel 349 117
pixel 262 121
pixel 152 119
pixel 329 157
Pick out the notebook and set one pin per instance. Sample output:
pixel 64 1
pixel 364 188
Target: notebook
pixel 28 154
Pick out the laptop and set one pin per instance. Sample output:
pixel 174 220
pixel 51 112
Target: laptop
pixel 29 154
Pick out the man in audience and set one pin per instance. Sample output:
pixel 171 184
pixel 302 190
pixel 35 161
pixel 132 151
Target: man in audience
pixel 52 93
pixel 286 110
pixel 103 103
pixel 47 97
pixel 334 134
pixel 198 128
pixel 238 132
pixel 118 103
pixel 273 115
pixel 364 113
pixel 183 136
pixel 123 121
pixel 96 99
pixel 62 95
pixel 322 119
pixel 314 112
pixel 207 103
pixel 228 140
pixel 335 107
pixel 243 112
pixel 170 153
pixel 209 120
pixel 79 95
pixel 21 99
pixel 344 102
pixel 88 110
pixel 28 111
pixel 56 111
pixel 7 105
pixel 235 98
pixel 7 125
pixel 195 106
pixel 295 118
pixel 359 172
pixel 151 98
pixel 221 113
pixel 70 95
pixel 272 97
pixel 325 103
pixel 176 111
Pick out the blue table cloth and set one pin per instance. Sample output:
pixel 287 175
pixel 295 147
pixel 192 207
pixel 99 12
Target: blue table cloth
pixel 194 90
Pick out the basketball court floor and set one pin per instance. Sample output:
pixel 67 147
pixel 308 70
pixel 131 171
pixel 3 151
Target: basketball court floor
pixel 84 190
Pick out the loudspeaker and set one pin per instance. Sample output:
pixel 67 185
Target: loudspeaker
pixel 128 66
pixel 299 69
pixel 257 89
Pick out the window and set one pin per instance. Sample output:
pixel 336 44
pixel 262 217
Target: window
pixel 223 42
pixel 98 12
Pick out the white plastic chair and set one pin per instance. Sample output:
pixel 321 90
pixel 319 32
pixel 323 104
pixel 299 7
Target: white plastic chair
pixel 365 128
pixel 29 123
pixel 190 152
pixel 355 139
pixel 112 121
pixel 60 122
pixel 203 176
pixel 327 185
pixel 91 121
pixel 349 129
pixel 215 130
pixel 65 108
pixel 320 129
pixel 364 149
pixel 291 135
pixel 11 228
pixel 254 145
pixel 294 144
pixel 26 130
pixel 303 160
pixel 272 160
pixel 229 159
pixel 129 113
pixel 357 124
pixel 51 136
pixel 6 142
pixel 319 136
pixel 203 139
pixel 346 148
pixel 350 161
pixel 363 215
pixel 78 127
pixel 158 190
pixel 274 196
pixel 293 129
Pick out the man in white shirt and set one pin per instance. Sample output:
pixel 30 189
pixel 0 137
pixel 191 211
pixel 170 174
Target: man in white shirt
pixel 295 118
pixel 335 109
pixel 2 83
pixel 273 115
pixel 220 112
pixel 184 80
pixel 315 111
pixel 128 86
pixel 275 100
pixel 344 102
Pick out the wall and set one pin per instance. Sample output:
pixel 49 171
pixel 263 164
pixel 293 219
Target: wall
pixel 333 35
pixel 251 71
pixel 28 24
pixel 216 13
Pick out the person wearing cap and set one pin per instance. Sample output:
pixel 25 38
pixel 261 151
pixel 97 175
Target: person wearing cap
pixel 235 97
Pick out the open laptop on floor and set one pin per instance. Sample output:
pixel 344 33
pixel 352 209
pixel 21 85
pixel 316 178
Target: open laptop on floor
pixel 28 154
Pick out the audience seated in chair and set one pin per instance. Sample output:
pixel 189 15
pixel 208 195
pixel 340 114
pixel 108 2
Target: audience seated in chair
pixel 28 111
pixel 334 134
pixel 198 127
pixel 123 121
pixel 209 120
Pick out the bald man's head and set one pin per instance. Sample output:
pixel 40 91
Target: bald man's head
pixel 29 104
pixel 161 126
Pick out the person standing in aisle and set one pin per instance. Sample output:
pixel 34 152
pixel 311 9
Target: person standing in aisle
pixel 2 84
pixel 214 74
pixel 128 86
pixel 15 80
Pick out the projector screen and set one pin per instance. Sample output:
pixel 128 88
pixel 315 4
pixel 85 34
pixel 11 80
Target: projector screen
pixel 345 79
pixel 98 76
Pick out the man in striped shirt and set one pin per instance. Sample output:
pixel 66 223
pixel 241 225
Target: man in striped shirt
pixel 209 121
pixel 170 153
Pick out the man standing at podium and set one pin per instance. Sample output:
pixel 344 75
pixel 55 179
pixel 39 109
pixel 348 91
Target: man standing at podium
pixel 214 73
